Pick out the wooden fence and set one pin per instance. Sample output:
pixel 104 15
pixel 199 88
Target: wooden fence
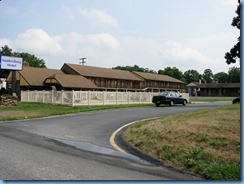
pixel 89 98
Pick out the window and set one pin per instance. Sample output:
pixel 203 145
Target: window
pixel 109 83
pixel 99 82
pixel 127 84
pixel 172 94
pixel 93 81
pixel 177 94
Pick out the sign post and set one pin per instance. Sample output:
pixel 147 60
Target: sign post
pixel 11 63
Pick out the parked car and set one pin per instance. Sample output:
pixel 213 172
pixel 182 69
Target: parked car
pixel 236 100
pixel 169 97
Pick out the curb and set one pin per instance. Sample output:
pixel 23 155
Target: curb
pixel 119 142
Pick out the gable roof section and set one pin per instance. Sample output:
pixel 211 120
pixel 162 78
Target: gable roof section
pixel 193 84
pixel 91 71
pixel 73 81
pixel 36 76
pixel 157 77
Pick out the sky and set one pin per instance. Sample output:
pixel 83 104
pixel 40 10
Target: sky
pixel 153 34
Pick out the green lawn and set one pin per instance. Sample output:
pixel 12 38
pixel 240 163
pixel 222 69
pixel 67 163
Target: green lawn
pixel 37 110
pixel 206 142
pixel 210 99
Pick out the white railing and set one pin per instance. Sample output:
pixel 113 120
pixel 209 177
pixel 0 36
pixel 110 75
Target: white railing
pixel 88 98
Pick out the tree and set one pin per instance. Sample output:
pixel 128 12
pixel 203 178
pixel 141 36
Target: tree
pixel 172 72
pixel 31 59
pixel 234 75
pixel 207 76
pixel 234 52
pixel 134 68
pixel 192 76
pixel 221 77
pixel 6 51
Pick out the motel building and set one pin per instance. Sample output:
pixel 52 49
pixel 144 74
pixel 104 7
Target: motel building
pixel 83 78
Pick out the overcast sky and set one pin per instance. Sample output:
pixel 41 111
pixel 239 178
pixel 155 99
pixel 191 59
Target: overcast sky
pixel 154 34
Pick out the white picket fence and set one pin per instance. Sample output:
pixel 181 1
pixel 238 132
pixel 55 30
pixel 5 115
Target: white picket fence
pixel 89 98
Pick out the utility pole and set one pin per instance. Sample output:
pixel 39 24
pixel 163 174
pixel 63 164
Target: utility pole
pixel 82 61
pixel 13 85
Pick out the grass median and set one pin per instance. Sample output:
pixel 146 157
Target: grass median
pixel 39 110
pixel 210 99
pixel 206 142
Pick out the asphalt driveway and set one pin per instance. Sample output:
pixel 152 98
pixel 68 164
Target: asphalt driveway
pixel 97 127
pixel 92 131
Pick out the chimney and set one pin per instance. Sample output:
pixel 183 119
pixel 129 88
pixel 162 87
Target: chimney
pixel 200 81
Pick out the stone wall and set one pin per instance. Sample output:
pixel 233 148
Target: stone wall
pixel 8 100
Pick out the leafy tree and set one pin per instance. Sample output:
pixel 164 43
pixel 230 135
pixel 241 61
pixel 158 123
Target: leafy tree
pixel 134 68
pixel 149 70
pixel 221 77
pixel 234 52
pixel 32 60
pixel 173 72
pixel 234 75
pixel 6 51
pixel 207 76
pixel 192 76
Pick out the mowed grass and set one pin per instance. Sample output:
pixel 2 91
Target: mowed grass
pixel 210 99
pixel 206 142
pixel 38 110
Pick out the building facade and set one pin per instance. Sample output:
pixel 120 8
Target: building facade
pixel 214 89
pixel 80 77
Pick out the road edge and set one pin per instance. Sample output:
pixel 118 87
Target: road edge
pixel 118 141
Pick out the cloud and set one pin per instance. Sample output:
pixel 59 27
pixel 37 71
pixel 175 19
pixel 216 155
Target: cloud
pixel 7 42
pixel 185 57
pixel 38 41
pixel 193 56
pixel 69 12
pixel 99 16
pixel 97 48
pixel 177 52
pixel 100 42
pixel 106 50
pixel 65 47
pixel 229 2
pixel 226 4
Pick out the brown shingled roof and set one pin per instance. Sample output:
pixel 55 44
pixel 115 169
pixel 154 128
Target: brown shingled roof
pixel 36 76
pixel 193 84
pixel 91 71
pixel 220 85
pixel 73 81
pixel 157 77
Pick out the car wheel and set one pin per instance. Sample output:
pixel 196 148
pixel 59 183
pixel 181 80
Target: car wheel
pixel 157 104
pixel 184 102
pixel 171 103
